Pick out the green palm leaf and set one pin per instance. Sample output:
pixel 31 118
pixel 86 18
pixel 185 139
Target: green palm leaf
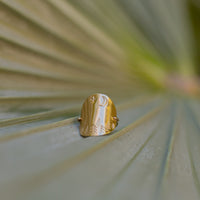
pixel 144 55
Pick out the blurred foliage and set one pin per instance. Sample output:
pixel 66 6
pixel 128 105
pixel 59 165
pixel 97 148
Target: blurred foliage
pixel 194 11
pixel 144 54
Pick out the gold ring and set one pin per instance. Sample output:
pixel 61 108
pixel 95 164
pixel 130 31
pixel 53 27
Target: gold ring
pixel 98 116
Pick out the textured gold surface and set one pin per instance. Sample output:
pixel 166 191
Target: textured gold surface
pixel 98 116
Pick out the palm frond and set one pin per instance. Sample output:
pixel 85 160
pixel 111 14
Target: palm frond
pixel 144 54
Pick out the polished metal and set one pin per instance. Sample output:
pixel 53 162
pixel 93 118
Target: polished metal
pixel 98 116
